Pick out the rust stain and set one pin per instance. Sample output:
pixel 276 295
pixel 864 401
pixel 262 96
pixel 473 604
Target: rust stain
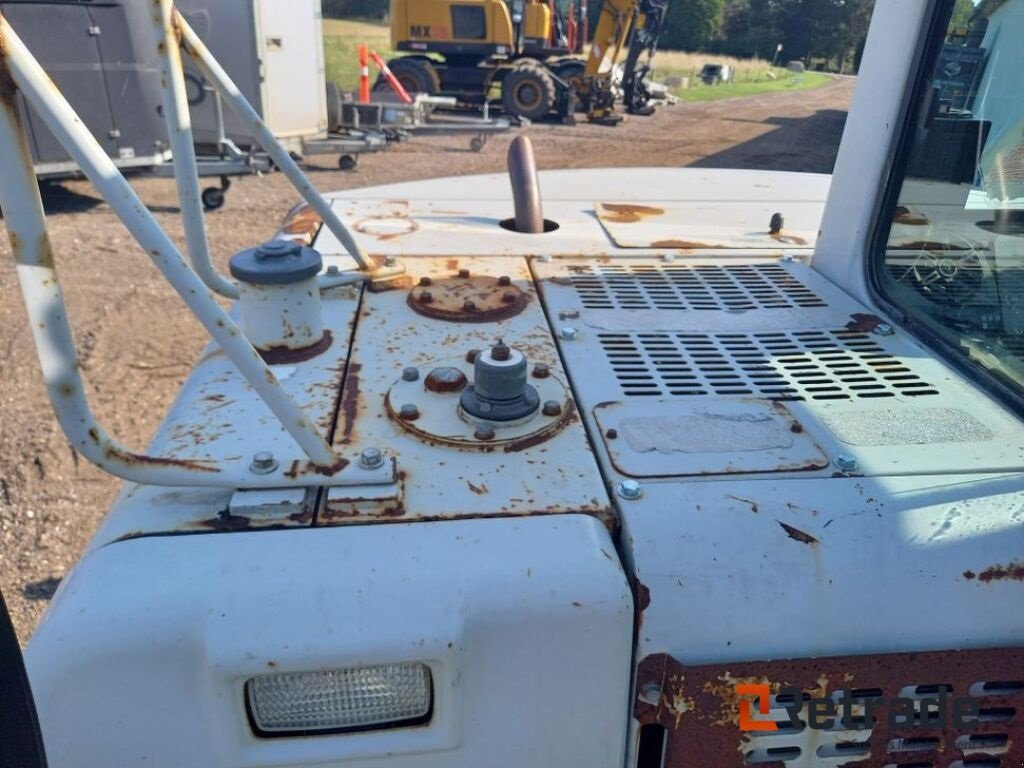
pixel 863 323
pixel 473 299
pixel 401 282
pixel 138 459
pixel 684 244
pixel 797 535
pixel 617 213
pixel 930 245
pixel 1012 572
pixel 568 416
pixel 751 502
pixel 479 490
pixel 445 379
pixel 299 467
pixel 225 521
pixel 643 596
pixel 350 401
pixel 788 239
pixel 301 224
pixel 282 355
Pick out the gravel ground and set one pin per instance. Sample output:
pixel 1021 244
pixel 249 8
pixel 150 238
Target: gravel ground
pixel 137 342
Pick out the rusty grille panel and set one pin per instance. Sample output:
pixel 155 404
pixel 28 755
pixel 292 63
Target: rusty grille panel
pixel 668 286
pixel 795 365
pixel 698 708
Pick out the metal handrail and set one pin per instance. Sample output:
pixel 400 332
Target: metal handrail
pixel 26 225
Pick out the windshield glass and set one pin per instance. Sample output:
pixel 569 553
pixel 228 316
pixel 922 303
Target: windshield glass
pixel 954 256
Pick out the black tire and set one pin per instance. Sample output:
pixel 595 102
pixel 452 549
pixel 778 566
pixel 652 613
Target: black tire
pixel 415 73
pixel 348 162
pixel 334 116
pixel 529 91
pixel 213 198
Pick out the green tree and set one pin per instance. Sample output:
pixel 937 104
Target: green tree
pixel 692 24
pixel 354 9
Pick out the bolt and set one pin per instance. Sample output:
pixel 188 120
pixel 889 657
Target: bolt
pixel 409 412
pixel 263 463
pixel 390 261
pixel 484 432
pixel 788 258
pixel 425 281
pixel 411 373
pixel 544 258
pixel 883 329
pixel 650 693
pixel 468 306
pixel 501 352
pixel 551 408
pixel 371 458
pixel 568 333
pixel 630 490
pixel 668 258
pixel 508 297
pixel 846 462
pixel 471 355
pixel 611 434
pixel 333 269
pixel 776 224
pixel 504 280
pixel 541 371
pixel 463 273
pixel 426 297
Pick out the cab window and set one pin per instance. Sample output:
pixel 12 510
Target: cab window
pixel 952 256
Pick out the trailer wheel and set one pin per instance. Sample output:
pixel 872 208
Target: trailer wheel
pixel 528 91
pixel 348 162
pixel 416 74
pixel 213 198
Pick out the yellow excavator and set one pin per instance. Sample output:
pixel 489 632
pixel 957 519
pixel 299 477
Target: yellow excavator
pixel 529 49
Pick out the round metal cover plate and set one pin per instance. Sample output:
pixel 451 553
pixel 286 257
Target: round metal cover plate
pixel 473 299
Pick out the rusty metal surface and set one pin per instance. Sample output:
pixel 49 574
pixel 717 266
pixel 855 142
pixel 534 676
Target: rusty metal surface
pixel 467 298
pixel 301 224
pixel 699 708
pixel 445 470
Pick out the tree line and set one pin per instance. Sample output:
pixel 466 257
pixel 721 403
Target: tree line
pixel 822 33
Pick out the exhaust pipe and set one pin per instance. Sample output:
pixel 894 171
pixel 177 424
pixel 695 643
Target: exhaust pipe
pixel 522 172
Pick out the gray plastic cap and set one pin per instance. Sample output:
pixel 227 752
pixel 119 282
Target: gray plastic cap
pixel 278 262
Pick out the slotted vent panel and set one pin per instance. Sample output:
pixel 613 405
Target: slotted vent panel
pixel 668 286
pixel 795 365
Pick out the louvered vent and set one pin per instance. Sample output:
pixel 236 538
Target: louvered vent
pixel 796 365
pixel 670 286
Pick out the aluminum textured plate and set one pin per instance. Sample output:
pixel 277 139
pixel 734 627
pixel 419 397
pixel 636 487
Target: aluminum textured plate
pixel 716 436
pixel 699 225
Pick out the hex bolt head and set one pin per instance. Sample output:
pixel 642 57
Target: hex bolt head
pixel 629 490
pixel 426 281
pixel 508 297
pixel 883 329
pixel 263 463
pixel 552 408
pixel 612 434
pixel 541 371
pixel 504 280
pixel 650 693
pixel 846 462
pixel 468 306
pixel 484 432
pixel 568 333
pixel 412 373
pixel 426 297
pixel 333 269
pixel 371 458
pixel 463 273
pixel 544 258
pixel 409 412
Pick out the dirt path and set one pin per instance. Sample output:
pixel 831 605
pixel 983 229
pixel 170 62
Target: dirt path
pixel 137 342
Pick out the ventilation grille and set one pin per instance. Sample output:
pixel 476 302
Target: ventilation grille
pixel 797 365
pixel 657 286
pixel 988 744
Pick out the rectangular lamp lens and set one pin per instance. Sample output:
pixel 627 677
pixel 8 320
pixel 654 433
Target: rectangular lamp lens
pixel 339 699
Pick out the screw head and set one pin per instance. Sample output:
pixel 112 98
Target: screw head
pixel 484 432
pixel 568 333
pixel 468 306
pixel 551 408
pixel 612 433
pixel 883 329
pixel 501 352
pixel 541 371
pixel 629 489
pixel 508 297
pixel 426 281
pixel 463 273
pixel 504 280
pixel 471 355
pixel 426 297
pixel 846 462
pixel 650 693
pixel 263 463
pixel 409 412
pixel 412 373
pixel 371 458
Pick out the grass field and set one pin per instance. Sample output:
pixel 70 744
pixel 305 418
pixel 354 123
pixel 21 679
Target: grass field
pixel 342 39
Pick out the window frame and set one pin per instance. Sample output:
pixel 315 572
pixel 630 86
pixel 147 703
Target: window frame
pixel 930 48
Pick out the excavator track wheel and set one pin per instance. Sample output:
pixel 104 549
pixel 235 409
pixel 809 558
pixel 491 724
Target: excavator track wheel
pixel 529 91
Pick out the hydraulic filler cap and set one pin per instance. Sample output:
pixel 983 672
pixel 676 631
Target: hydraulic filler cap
pixel 278 262
pixel 500 391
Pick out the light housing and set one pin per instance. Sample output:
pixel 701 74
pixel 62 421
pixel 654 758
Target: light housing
pixel 340 700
